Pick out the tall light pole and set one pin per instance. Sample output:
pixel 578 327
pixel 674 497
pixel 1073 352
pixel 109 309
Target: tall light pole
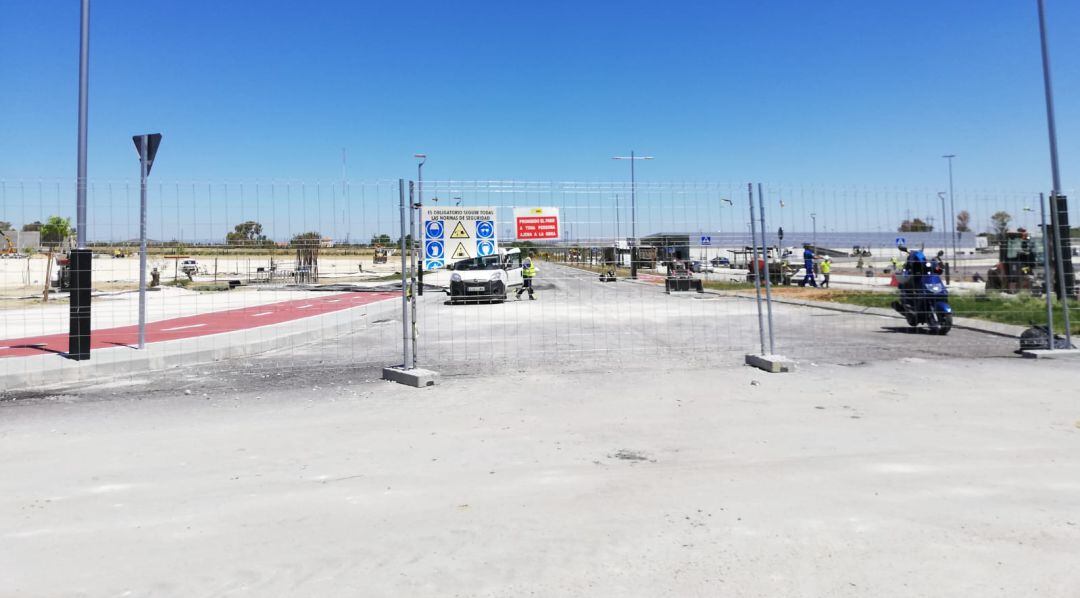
pixel 813 218
pixel 633 210
pixel 420 207
pixel 952 207
pixel 944 228
pixel 1059 208
pixel 618 233
pixel 79 311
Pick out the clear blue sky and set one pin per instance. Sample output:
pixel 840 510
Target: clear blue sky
pixel 802 92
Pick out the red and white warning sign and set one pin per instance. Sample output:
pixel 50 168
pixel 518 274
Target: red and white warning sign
pixel 536 224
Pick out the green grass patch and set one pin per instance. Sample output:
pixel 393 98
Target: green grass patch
pixel 1022 310
pixel 725 285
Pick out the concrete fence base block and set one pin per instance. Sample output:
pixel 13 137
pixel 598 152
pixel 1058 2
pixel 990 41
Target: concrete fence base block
pixel 417 377
pixel 1048 354
pixel 774 364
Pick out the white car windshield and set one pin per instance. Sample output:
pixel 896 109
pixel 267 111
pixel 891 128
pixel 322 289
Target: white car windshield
pixel 490 262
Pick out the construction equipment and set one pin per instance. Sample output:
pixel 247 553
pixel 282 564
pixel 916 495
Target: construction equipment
pixel 680 278
pixel 381 254
pixel 1020 265
pixel 10 249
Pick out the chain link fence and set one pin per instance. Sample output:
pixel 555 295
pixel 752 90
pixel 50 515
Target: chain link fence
pixel 646 275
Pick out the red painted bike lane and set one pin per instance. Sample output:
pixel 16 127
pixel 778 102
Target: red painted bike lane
pixel 232 320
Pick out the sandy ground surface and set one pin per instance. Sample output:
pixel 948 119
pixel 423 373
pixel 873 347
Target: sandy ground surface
pixel 898 478
pixel 23 273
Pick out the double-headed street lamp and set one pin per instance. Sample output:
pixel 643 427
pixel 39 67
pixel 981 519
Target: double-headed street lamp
pixel 633 210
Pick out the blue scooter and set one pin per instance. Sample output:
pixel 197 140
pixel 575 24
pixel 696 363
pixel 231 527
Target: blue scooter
pixel 923 296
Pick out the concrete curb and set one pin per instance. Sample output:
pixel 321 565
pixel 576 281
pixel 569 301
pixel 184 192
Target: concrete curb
pixel 51 371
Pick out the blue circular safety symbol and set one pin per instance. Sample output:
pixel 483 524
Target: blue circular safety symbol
pixel 433 264
pixel 484 248
pixel 433 249
pixel 485 229
pixel 434 229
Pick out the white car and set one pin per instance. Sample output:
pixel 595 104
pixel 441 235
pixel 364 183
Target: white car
pixel 189 267
pixel 486 278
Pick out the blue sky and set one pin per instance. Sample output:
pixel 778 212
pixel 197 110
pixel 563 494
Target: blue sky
pixel 824 92
pixel 828 92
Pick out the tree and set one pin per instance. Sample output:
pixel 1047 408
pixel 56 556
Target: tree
pixel 915 226
pixel 309 239
pixel 1000 222
pixel 54 232
pixel 963 222
pixel 5 225
pixel 246 233
pixel 32 227
pixel 383 239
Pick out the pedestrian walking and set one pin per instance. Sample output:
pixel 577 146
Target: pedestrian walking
pixel 808 264
pixel 826 267
pixel 528 273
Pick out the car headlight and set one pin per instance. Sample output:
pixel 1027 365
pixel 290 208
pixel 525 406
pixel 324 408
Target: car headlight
pixel 455 277
pixel 935 288
pixel 494 276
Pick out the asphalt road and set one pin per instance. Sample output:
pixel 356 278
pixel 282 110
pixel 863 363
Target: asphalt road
pixel 577 324
pixel 576 318
pixel 217 322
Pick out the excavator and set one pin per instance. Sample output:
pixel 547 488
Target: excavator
pixel 10 250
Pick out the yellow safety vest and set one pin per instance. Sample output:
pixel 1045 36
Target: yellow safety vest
pixel 825 267
pixel 529 271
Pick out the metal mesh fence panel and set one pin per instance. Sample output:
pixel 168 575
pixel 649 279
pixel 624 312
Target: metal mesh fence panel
pixel 307 275
pixel 237 269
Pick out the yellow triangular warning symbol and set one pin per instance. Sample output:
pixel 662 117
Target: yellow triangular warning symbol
pixel 460 253
pixel 459 232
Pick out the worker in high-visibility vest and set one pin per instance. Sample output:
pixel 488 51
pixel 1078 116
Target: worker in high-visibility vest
pixel 528 273
pixel 826 267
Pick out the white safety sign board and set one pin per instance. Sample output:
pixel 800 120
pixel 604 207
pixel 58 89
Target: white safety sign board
pixel 455 234
pixel 536 224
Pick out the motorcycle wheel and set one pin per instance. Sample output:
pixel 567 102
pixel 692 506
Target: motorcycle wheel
pixel 944 324
pixel 939 323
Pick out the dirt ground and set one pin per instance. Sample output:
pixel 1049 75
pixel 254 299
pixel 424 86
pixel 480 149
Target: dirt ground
pixel 902 478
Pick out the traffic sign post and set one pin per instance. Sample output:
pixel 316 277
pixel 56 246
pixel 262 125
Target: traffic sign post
pixel 453 234
pixel 147 146
pixel 706 241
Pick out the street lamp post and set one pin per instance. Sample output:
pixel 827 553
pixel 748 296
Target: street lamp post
pixel 813 218
pixel 1059 208
pixel 420 207
pixel 952 208
pixel 79 310
pixel 633 210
